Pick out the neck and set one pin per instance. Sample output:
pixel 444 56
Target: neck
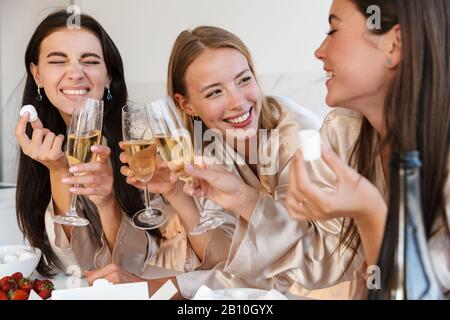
pixel 66 118
pixel 373 109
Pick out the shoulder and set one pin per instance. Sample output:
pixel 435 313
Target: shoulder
pixel 341 128
pixel 289 110
pixel 341 115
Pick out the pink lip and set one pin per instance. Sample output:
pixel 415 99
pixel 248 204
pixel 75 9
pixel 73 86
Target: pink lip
pixel 245 123
pixel 237 115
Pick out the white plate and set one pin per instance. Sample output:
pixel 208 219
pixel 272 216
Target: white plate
pixel 204 293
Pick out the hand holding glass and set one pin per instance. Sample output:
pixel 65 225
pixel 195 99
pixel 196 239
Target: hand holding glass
pixel 175 146
pixel 85 130
pixel 140 147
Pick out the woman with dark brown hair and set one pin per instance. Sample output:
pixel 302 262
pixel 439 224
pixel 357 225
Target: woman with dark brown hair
pixel 394 81
pixel 64 65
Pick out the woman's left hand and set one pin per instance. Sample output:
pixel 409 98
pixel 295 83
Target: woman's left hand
pixel 353 195
pixel 96 180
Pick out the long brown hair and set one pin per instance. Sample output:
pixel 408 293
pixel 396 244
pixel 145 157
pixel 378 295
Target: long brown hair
pixel 33 182
pixel 417 107
pixel 189 45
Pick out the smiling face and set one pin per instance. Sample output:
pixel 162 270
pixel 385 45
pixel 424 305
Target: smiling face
pixel 71 66
pixel 354 59
pixel 223 92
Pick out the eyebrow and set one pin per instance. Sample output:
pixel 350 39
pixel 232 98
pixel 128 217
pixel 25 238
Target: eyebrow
pixel 216 84
pixel 57 54
pixel 90 54
pixel 63 55
pixel 333 17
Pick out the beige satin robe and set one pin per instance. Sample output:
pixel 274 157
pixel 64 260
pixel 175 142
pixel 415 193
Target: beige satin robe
pixel 340 130
pixel 272 250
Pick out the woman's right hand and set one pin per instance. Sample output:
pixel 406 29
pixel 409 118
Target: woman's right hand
pixel 163 181
pixel 44 146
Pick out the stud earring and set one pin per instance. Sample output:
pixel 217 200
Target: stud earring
pixel 389 61
pixel 39 95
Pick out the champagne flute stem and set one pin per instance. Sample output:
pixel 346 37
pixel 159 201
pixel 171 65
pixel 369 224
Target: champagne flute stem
pixel 147 198
pixel 199 206
pixel 73 203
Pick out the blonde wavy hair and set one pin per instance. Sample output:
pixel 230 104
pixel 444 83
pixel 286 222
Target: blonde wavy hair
pixel 188 46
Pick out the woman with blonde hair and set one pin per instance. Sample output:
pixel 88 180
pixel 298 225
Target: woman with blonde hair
pixel 212 78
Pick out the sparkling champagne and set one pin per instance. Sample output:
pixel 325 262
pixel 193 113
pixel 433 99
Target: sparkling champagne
pixel 175 150
pixel 79 146
pixel 141 157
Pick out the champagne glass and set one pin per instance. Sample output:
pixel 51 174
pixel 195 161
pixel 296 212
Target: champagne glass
pixel 85 130
pixel 175 146
pixel 140 147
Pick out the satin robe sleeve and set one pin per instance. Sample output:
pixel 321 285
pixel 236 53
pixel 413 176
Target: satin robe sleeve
pixel 133 247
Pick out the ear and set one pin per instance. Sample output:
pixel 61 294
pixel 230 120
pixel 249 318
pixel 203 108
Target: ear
pixel 108 82
pixel 35 72
pixel 184 104
pixel 394 47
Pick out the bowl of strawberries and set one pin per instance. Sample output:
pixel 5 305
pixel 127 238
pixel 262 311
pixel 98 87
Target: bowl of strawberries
pixel 18 287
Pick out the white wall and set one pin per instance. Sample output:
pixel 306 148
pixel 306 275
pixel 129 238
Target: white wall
pixel 18 19
pixel 281 34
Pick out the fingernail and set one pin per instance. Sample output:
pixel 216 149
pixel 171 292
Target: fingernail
pixel 94 148
pixel 189 168
pixel 325 148
pixel 73 169
pixel 73 189
pixel 297 155
pixel 65 180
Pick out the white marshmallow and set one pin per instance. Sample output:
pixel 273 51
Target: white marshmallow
pixel 31 110
pixel 9 258
pixel 25 256
pixel 310 144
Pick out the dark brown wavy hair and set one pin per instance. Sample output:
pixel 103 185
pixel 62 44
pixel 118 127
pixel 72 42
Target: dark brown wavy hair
pixel 33 183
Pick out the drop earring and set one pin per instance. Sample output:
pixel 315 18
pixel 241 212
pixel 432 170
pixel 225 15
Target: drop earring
pixel 109 95
pixel 39 95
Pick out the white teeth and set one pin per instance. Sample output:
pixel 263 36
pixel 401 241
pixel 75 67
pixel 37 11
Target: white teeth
pixel 75 92
pixel 329 75
pixel 240 119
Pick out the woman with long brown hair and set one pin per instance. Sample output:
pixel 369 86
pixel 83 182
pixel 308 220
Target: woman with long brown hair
pixel 62 66
pixel 395 82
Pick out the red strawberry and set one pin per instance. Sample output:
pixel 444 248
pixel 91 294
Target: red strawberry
pixel 41 285
pixel 26 284
pixel 45 294
pixel 17 276
pixel 19 294
pixel 3 296
pixel 6 284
